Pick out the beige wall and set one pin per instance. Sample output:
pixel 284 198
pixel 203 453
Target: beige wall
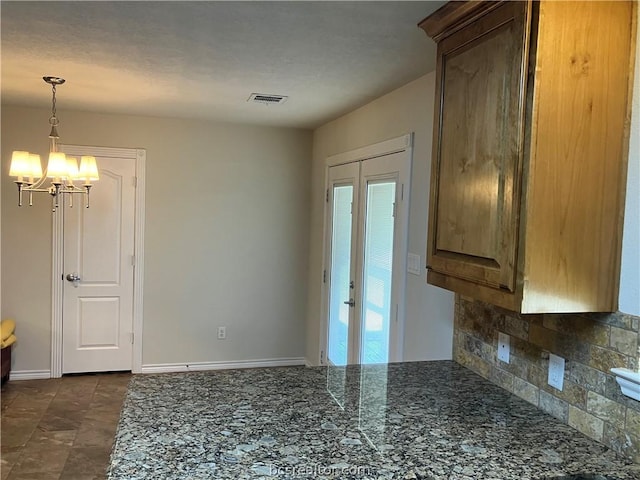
pixel 230 249
pixel 429 310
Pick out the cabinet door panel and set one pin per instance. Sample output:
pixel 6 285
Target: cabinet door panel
pixel 478 149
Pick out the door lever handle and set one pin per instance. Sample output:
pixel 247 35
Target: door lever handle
pixel 73 277
pixel 351 302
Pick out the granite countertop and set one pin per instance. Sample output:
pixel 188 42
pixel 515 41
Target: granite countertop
pixel 424 420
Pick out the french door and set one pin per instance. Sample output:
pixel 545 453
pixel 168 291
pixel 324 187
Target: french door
pixel 366 242
pixel 342 196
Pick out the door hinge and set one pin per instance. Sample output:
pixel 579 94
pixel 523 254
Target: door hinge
pixel 132 337
pixel 133 260
pixel 402 192
pixel 394 209
pixel 327 196
pixel 135 182
pixel 324 276
pixel 322 357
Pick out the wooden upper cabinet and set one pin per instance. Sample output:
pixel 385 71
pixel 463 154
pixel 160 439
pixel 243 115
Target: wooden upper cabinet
pixel 480 87
pixel 530 152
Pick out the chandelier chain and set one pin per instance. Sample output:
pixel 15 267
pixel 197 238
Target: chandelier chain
pixel 53 120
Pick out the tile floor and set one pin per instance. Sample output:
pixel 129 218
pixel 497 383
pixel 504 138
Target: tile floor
pixel 60 428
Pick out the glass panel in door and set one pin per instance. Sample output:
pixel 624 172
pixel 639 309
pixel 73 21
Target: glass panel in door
pixel 340 271
pixel 377 271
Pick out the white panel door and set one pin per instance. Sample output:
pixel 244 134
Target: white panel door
pixel 98 248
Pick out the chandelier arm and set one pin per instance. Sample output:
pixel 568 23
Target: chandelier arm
pixel 37 190
pixel 39 182
pixel 73 189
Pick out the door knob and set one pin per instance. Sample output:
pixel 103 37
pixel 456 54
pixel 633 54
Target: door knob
pixel 351 303
pixel 73 277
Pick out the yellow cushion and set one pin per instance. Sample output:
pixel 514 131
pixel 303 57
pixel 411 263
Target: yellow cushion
pixel 7 327
pixel 8 341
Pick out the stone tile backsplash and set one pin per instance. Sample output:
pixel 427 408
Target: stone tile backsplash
pixel 591 344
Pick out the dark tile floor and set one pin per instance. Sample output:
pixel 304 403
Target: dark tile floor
pixel 60 428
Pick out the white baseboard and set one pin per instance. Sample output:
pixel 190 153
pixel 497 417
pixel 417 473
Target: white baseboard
pixel 201 366
pixel 307 363
pixel 29 374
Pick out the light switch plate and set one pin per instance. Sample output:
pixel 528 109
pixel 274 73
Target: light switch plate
pixel 413 264
pixel 504 347
pixel 556 371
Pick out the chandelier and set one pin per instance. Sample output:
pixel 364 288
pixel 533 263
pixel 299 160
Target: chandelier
pixel 61 169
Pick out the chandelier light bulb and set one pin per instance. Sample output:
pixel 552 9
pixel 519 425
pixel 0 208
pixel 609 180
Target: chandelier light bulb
pixel 88 169
pixel 35 167
pixel 19 165
pixel 72 168
pixel 57 166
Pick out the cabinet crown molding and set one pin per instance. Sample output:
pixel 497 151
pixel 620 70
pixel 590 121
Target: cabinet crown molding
pixel 453 16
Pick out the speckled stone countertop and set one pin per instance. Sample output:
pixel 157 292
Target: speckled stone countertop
pixel 426 420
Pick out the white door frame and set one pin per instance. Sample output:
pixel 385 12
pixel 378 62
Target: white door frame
pixel 387 147
pixel 57 254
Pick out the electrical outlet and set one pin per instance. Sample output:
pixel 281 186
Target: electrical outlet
pixel 222 333
pixel 504 347
pixel 556 371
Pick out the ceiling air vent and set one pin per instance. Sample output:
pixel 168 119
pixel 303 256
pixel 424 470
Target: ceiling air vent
pixel 267 99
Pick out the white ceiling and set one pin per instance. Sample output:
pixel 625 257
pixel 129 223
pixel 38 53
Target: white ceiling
pixel 204 59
